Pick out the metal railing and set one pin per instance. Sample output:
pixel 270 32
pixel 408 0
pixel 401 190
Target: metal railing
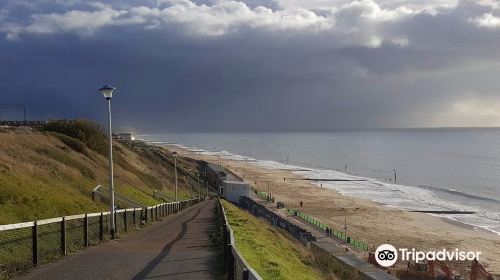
pixel 329 231
pixel 236 266
pixel 26 245
pixel 22 123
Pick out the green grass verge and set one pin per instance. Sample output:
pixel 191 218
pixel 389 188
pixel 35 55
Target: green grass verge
pixel 267 249
pixel 136 195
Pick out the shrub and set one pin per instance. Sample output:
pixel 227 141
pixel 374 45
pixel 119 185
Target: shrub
pixel 85 131
pixel 75 144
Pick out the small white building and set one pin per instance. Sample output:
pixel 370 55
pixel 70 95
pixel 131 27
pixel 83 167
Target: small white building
pixel 232 190
pixel 126 136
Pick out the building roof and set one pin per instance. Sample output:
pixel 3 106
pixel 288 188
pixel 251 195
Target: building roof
pixel 216 168
pixel 235 182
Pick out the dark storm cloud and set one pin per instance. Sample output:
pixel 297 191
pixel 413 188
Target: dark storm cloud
pixel 260 65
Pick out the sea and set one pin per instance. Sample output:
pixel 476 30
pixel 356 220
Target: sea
pixel 431 169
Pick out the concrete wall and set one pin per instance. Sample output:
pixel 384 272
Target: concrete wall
pixel 333 259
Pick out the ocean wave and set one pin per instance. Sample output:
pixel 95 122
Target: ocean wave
pixel 399 196
pixel 462 194
pixel 393 195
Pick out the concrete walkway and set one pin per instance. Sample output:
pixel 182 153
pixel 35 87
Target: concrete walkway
pixel 178 247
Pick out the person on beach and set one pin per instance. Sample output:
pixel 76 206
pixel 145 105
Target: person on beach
pixel 301 204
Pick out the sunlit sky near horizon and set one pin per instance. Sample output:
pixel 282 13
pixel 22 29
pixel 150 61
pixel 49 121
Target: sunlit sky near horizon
pixel 254 64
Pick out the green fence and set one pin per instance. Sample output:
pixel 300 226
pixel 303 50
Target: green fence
pixel 262 195
pixel 335 233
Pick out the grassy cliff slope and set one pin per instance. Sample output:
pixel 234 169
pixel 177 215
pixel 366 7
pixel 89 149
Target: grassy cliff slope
pixel 51 171
pixel 268 250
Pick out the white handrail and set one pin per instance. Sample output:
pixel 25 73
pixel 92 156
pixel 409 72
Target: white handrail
pixel 78 216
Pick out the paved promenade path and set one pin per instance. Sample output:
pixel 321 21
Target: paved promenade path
pixel 176 248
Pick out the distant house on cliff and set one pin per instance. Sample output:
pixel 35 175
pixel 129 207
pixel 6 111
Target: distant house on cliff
pixel 127 136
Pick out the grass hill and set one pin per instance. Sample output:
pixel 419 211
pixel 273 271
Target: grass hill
pixel 50 171
pixel 272 252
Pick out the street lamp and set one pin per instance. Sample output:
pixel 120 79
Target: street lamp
pixel 199 188
pixel 174 154
pixel 107 92
pixel 345 221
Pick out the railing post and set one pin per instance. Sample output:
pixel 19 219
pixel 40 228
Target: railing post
pixel 34 239
pixel 125 220
pixel 156 213
pixel 86 231
pixel 145 214
pixel 63 236
pixel 116 227
pixel 101 227
pixel 230 263
pixel 152 214
pixel 224 236
pixel 246 274
pixel 133 217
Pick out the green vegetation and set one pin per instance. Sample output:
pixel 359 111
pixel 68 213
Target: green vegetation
pixel 51 172
pixel 85 131
pixel 138 196
pixel 268 250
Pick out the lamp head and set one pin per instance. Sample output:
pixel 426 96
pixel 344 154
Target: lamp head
pixel 107 91
pixel 174 154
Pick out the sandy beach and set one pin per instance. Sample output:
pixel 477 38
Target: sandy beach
pixel 368 221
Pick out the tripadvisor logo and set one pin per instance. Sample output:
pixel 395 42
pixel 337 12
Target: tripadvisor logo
pixel 387 255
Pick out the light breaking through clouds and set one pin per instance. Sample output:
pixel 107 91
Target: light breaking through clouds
pixel 255 64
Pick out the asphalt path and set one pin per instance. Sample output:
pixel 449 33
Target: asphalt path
pixel 179 247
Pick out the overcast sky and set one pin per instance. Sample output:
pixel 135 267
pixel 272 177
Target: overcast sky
pixel 254 64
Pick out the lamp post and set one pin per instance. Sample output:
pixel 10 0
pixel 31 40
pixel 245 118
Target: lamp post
pixel 345 221
pixel 268 192
pixel 107 92
pixel 345 224
pixel 174 154
pixel 199 188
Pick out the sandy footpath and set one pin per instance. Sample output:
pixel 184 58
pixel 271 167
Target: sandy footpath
pixel 366 220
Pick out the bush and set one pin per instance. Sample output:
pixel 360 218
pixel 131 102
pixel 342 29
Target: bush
pixel 87 132
pixel 75 144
